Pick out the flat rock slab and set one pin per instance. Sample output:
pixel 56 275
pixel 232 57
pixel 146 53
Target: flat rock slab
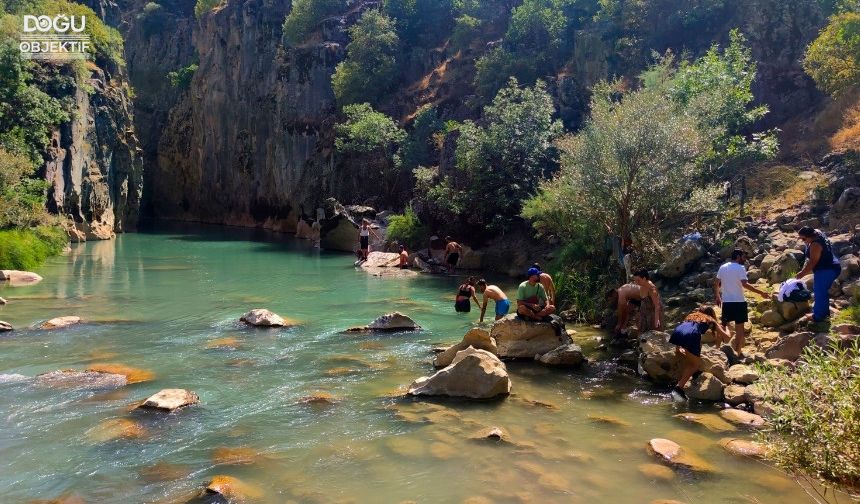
pixel 385 264
pixel 742 418
pixel 5 326
pixel 519 338
pixel 711 422
pixel 261 317
pixel 73 379
pixel 569 355
pixel 390 322
pixel 671 453
pixel 19 278
pixel 170 399
pixel 744 448
pixel 60 322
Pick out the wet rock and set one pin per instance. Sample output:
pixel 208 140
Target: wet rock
pixel 742 418
pixel 116 428
pixel 492 434
pixel 170 399
pixel 232 488
pixel 734 394
pixel 704 387
pixel 62 499
pixel 476 374
pixel 228 343
pixel 443 451
pixel 711 422
pixel 390 322
pixel 656 472
pixel 608 420
pixel 671 453
pixel 19 278
pixel 70 378
pixel 61 322
pixel 132 374
pixel 261 317
pixel 477 337
pixel 789 347
pixel 744 448
pixel 682 258
pixel 319 399
pixel 518 338
pixel 566 355
pixel 5 326
pixel 164 471
pixel 234 456
pixel 2 301
pixel 741 373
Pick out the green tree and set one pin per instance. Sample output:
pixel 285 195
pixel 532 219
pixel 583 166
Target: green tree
pixel 201 7
pixel 181 78
pixel 370 68
pixel 421 22
pixel 376 136
pixel 500 163
pixel 304 17
pixel 418 148
pixel 833 59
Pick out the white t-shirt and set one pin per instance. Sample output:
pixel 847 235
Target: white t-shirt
pixel 731 275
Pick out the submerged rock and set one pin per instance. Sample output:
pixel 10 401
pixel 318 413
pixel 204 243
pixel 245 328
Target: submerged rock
pixel 711 422
pixel 390 322
pixel 170 399
pixel 71 378
pixel 5 326
pixel 19 278
pixel 116 428
pixel 492 434
pixel 744 448
pixel 232 488
pixel 262 317
pixel 519 338
pixel 61 322
pixel 565 355
pixel 742 418
pixel 476 337
pixel 656 472
pixel 234 456
pixel 132 374
pixel 476 374
pixel 671 453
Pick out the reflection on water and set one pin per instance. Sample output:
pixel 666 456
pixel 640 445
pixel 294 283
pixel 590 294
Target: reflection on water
pixel 307 413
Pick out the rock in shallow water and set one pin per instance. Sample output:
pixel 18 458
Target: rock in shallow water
pixel 518 338
pixel 19 278
pixel 671 453
pixel 390 322
pixel 232 488
pixel 262 317
pixel 742 418
pixel 171 399
pixel 70 378
pixel 477 337
pixel 61 322
pixel 744 448
pixel 704 387
pixel 475 374
pixel 711 422
pixel 565 355
pixel 5 326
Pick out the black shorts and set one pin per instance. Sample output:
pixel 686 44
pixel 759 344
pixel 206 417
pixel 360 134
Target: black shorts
pixel 453 258
pixel 463 305
pixel 364 240
pixel 735 312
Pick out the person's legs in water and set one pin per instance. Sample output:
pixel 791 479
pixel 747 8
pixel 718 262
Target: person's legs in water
pixel 821 283
pixel 691 365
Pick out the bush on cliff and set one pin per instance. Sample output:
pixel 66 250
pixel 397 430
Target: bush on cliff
pixel 375 136
pixel 833 59
pixel 815 424
pixel 370 69
pixel 304 17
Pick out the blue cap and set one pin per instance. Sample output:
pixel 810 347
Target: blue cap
pixel 533 271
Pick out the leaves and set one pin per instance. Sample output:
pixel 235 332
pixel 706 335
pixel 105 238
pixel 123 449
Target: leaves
pixel 833 59
pixel 370 69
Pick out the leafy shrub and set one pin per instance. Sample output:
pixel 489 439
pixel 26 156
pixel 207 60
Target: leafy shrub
pixel 304 17
pixel 366 130
pixel 466 30
pixel 181 78
pixel 204 6
pixel 815 422
pixel 420 22
pixel 833 59
pixel 418 148
pixel 370 69
pixel 25 249
pixel 407 229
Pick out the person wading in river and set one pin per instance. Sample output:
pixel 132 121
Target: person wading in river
pixel 465 295
pixel 642 293
pixel 824 266
pixel 497 295
pixel 688 340
pixel 532 301
pixel 729 288
pixel 548 284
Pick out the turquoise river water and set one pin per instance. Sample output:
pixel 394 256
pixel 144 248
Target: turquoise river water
pixel 168 303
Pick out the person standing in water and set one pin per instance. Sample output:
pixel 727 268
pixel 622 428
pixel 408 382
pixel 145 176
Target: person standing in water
pixel 641 292
pixel 465 295
pixel 497 295
pixel 532 301
pixel 364 233
pixel 824 266
pixel 452 254
pixel 687 338
pixel 548 284
pixel 403 258
pixel 316 229
pixel 729 288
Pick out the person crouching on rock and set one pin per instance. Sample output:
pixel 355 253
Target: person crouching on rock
pixel 688 340
pixel 495 293
pixel 642 293
pixel 532 301
pixel 824 266
pixel 465 295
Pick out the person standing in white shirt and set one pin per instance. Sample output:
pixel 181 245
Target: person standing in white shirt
pixel 729 294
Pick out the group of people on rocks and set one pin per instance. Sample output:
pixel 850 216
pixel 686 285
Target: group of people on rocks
pixel 535 296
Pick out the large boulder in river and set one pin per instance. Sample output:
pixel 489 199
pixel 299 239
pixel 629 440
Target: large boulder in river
pixel 477 337
pixel 60 322
pixel 682 258
pixel 170 399
pixel 5 326
pixel 569 355
pixel 73 379
pixel 390 322
pixel 385 264
pixel 476 374
pixel 519 338
pixel 262 317
pixel 19 278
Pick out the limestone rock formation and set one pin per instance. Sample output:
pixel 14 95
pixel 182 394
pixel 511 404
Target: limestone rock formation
pixel 385 264
pixel 477 337
pixel 170 399
pixel 19 278
pixel 476 374
pixel 61 322
pixel 72 379
pixel 518 338
pixel 565 355
pixel 741 373
pixel 390 322
pixel 262 317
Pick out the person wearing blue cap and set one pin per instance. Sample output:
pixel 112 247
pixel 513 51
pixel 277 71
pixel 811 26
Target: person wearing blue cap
pixel 532 301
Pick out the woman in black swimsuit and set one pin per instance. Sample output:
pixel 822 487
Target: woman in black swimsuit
pixel 465 294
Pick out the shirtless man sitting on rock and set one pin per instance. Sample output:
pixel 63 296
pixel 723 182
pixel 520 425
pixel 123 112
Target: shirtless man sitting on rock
pixel 532 301
pixel 640 292
pixel 495 293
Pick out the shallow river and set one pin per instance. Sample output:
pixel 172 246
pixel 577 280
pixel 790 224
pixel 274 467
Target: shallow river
pixel 168 303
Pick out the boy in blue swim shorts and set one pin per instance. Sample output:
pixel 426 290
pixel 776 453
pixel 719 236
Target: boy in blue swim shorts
pixel 495 293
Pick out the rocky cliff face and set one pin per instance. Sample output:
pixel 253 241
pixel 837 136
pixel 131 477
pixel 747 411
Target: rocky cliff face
pixel 94 163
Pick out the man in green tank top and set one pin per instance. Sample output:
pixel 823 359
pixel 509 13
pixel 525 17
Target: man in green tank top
pixel 532 301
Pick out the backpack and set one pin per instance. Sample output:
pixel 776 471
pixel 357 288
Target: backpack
pixel 799 295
